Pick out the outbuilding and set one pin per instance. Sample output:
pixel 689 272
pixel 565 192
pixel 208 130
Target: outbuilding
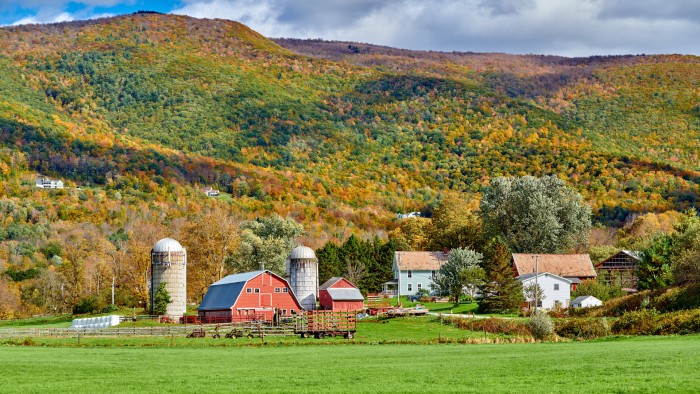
pixel 339 294
pixel 257 295
pixel 586 301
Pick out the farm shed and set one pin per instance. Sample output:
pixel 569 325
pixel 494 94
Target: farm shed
pixel 339 294
pixel 620 269
pixel 585 302
pixel 556 291
pixel 248 296
pixel 574 267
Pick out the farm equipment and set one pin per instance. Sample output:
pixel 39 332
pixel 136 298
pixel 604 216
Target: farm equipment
pixel 326 323
pixel 197 333
pixel 379 307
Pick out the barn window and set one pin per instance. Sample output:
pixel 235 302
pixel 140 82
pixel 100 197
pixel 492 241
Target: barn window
pixel 410 273
pixel 556 286
pixel 285 290
pixel 249 290
pixel 410 286
pixel 257 290
pixel 277 289
pixel 284 312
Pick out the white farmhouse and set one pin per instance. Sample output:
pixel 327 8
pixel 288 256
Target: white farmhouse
pixel 585 302
pixel 556 290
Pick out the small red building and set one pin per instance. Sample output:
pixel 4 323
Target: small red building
pixel 248 296
pixel 338 294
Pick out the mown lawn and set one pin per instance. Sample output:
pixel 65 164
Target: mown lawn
pixel 642 364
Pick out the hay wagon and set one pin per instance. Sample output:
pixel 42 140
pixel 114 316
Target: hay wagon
pixel 326 323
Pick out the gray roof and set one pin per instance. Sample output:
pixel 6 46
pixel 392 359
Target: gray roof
pixel 345 294
pixel 580 299
pixel 330 282
pixel 224 293
pixel 525 277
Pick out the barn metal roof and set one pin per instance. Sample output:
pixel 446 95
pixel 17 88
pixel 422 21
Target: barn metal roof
pixel 224 293
pixel 330 282
pixel 345 294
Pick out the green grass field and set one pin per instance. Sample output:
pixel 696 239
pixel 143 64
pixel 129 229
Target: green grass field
pixel 641 364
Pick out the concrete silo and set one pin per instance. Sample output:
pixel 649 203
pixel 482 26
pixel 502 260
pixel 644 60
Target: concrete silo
pixel 302 273
pixel 169 265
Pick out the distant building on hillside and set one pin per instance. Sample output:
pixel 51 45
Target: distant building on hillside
pixel 46 183
pixel 409 215
pixel 210 191
pixel 556 291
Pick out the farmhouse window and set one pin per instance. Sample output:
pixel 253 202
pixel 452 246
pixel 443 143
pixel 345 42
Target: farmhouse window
pixel 556 286
pixel 410 273
pixel 410 286
pixel 419 286
pixel 433 274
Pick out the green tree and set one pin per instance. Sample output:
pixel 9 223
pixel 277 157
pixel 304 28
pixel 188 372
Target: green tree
pixel 654 271
pixel 161 299
pixel 533 292
pixel 501 292
pixel 454 225
pixel 267 240
pixel 472 278
pixel 447 280
pixel 598 290
pixel 535 215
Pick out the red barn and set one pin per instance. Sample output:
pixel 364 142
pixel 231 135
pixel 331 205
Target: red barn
pixel 248 296
pixel 338 294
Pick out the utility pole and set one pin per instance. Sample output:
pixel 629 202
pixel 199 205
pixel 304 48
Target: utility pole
pixel 537 286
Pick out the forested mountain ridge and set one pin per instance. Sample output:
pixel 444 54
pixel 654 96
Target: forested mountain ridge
pixel 149 105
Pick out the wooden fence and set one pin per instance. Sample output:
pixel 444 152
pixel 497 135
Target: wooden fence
pixel 246 329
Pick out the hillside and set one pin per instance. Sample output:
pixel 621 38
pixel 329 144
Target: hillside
pixel 339 135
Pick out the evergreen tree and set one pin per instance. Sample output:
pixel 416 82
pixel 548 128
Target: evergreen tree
pixel 501 292
pixel 161 299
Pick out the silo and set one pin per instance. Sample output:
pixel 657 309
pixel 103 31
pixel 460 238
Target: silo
pixel 169 265
pixel 302 272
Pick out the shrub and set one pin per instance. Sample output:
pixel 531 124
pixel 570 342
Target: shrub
pixel 541 326
pixel 583 328
pixel 682 322
pixel 86 305
pixel 636 323
pixel 109 308
pixel 492 325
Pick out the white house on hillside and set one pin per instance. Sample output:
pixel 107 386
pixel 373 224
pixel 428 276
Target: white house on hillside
pixel 46 183
pixel 556 290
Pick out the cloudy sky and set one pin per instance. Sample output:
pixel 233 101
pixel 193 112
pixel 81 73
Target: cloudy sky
pixel 559 27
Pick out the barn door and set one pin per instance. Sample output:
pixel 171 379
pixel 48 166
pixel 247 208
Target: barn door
pixel 265 299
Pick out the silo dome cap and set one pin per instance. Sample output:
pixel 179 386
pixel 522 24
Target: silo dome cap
pixel 166 245
pixel 302 252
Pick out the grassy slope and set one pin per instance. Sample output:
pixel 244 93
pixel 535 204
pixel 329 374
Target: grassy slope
pixel 646 364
